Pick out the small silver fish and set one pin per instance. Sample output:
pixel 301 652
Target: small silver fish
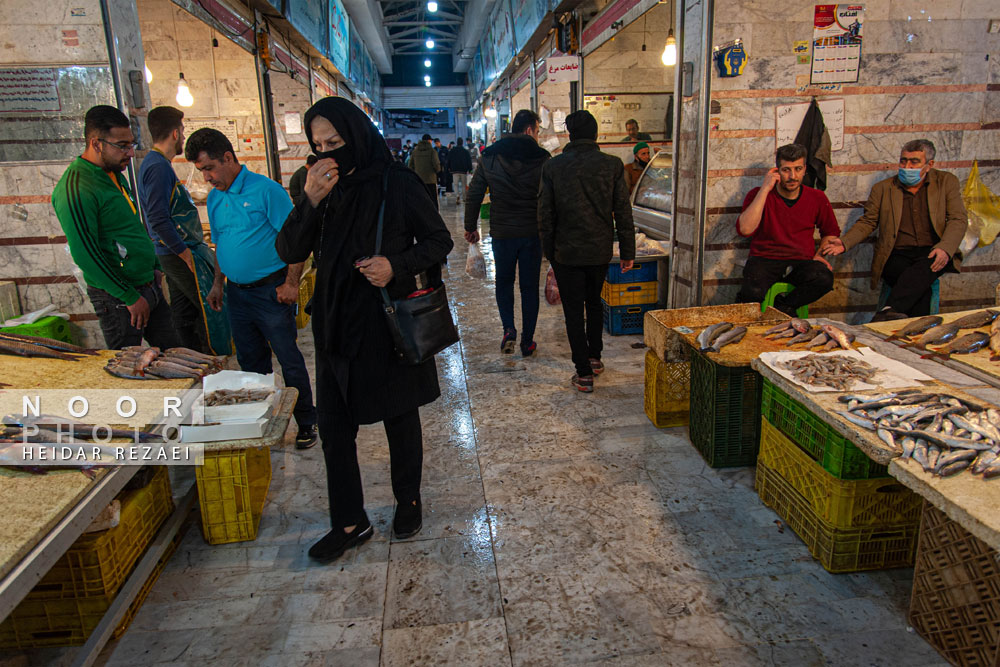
pixel 778 327
pixel 838 335
pixel 908 444
pixel 954 468
pixel 855 419
pixel 729 338
pixel 710 333
pixel 920 453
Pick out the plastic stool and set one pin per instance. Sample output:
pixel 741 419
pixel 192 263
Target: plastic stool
pixel 782 288
pixel 883 297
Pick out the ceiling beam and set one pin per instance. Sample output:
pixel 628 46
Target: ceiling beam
pixel 392 24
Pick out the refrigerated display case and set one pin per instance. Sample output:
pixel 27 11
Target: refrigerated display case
pixel 653 196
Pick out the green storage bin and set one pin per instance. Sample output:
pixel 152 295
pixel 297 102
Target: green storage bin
pixel 725 412
pixel 484 211
pixel 839 456
pixel 47 327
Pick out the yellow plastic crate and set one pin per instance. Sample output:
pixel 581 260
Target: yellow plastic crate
pixel 98 563
pixel 232 488
pixel 667 393
pixel 307 285
pixel 629 294
pixel 845 504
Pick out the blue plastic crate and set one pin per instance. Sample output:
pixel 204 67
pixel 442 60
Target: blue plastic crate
pixel 621 320
pixel 641 272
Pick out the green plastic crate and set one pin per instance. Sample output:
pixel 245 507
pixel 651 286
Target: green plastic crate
pixel 725 412
pixel 47 327
pixel 484 211
pixel 839 456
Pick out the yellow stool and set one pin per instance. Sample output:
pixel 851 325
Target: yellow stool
pixel 781 288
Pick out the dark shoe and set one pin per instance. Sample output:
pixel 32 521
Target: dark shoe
pixel 779 304
pixel 528 350
pixel 887 314
pixel 336 542
pixel 584 384
pixel 509 338
pixel 306 437
pixel 407 521
pixel 597 366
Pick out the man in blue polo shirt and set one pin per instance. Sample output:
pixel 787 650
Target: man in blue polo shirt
pixel 245 213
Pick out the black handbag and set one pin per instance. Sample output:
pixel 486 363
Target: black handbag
pixel 421 326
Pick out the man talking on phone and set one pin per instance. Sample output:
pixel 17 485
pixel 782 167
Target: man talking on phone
pixel 780 218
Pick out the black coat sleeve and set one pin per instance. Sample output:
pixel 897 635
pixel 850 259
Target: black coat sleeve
pixel 299 234
pixel 433 240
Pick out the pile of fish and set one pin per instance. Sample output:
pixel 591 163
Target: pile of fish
pixel 942 433
pixel 831 370
pixel 799 331
pixel 236 396
pixel 932 331
pixel 37 346
pixel 715 337
pixel 149 363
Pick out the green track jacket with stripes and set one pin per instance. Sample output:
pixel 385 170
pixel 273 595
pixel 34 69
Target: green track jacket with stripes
pixel 104 230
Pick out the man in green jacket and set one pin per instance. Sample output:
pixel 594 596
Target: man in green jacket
pixel 424 160
pixel 107 238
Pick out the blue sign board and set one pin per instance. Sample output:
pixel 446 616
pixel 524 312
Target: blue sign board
pixel 310 18
pixel 340 47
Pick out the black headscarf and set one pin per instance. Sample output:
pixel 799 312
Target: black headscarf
pixel 344 301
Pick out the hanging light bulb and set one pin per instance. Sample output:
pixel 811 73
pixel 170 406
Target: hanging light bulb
pixel 184 97
pixel 427 63
pixel 149 75
pixel 430 43
pixel 427 82
pixel 669 57
pixel 427 77
pixel 490 113
pixel 432 6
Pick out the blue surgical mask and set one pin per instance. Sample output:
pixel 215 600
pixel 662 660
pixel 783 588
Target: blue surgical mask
pixel 909 177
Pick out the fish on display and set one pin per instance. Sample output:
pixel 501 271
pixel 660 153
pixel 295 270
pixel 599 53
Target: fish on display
pixel 970 342
pixel 831 370
pixel 22 349
pixel 917 326
pixel 937 336
pixel 800 325
pixel 729 338
pixel 838 335
pixel 50 343
pixel 995 340
pixel 975 320
pixel 777 328
pixel 136 362
pixel 710 333
pixel 805 337
pixel 820 339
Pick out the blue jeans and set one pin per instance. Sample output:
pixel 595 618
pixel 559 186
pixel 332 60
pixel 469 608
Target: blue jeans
pixel 261 324
pixel 523 255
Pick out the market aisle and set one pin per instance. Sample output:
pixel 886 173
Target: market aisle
pixel 559 528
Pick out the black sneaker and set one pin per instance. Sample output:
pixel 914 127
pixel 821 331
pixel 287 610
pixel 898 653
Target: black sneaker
pixel 597 366
pixel 508 341
pixel 584 384
pixel 528 350
pixel 887 314
pixel 333 545
pixel 408 520
pixel 306 437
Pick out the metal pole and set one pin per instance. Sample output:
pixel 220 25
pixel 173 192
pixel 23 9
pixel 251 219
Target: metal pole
pixel 704 96
pixel 116 78
pixel 267 110
pixel 677 20
pixel 312 82
pixel 533 83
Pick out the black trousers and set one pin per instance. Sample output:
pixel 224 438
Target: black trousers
pixel 339 432
pixel 580 291
pixel 116 322
pixel 811 279
pixel 432 190
pixel 908 272
pixel 185 303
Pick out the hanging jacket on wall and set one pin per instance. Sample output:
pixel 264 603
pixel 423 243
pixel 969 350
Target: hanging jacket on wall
pixel 816 139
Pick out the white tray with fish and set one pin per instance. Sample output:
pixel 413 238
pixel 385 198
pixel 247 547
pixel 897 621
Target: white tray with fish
pixel 234 381
pixel 890 374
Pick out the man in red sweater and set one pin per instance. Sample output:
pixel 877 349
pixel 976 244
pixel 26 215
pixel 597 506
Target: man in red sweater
pixel 780 218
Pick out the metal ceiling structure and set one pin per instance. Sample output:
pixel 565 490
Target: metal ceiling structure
pixel 409 24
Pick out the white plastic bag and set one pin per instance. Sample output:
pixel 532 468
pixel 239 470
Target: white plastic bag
pixel 475 263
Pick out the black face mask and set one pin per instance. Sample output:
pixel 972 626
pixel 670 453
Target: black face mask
pixel 342 156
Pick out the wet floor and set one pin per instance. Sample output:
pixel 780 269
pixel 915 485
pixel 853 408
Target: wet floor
pixel 559 528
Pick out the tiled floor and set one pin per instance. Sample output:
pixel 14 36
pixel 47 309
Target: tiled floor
pixel 559 528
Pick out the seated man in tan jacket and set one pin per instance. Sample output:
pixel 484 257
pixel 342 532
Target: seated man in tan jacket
pixel 921 221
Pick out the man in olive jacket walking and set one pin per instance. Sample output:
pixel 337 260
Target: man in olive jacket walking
pixel 424 160
pixel 582 205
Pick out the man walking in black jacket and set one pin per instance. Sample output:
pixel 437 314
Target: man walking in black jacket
pixel 583 204
pixel 459 164
pixel 511 169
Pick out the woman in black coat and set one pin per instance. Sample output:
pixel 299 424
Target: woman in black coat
pixel 358 377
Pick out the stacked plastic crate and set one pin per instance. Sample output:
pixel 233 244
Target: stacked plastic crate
pixel 627 296
pixel 849 512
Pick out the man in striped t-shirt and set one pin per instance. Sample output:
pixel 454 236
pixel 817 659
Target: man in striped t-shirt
pixel 107 239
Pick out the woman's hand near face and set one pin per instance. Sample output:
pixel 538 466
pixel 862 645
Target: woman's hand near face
pixel 320 179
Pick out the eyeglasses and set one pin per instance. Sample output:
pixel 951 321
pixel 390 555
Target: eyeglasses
pixel 124 146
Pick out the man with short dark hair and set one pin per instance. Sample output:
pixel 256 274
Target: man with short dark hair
pixel 173 224
pixel 780 218
pixel 511 170
pixel 633 170
pixel 107 239
pixel 921 221
pixel 632 127
pixel 297 183
pixel 582 206
pixel 245 212
pixel 444 176
pixel 424 160
pixel 459 164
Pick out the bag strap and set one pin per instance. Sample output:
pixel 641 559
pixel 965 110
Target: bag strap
pixel 386 301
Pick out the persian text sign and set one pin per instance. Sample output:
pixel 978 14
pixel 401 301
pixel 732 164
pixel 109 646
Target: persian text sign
pixel 562 69
pixel 28 89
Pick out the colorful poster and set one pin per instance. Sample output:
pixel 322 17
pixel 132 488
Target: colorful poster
pixel 503 38
pixel 528 15
pixel 340 46
pixel 477 72
pixel 309 17
pixel 837 43
pixel 357 73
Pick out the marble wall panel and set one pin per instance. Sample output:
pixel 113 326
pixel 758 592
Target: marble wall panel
pixel 621 65
pixel 978 9
pixel 90 45
pixel 919 10
pixel 742 114
pixel 18 220
pixel 910 109
pixel 896 69
pixel 741 153
pixel 36 260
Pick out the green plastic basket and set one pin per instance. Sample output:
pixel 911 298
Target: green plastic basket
pixel 48 327
pixel 725 412
pixel 839 456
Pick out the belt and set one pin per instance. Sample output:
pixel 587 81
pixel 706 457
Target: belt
pixel 280 273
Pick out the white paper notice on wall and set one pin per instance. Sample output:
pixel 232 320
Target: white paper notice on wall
pixel 788 119
pixel 226 126
pixel 559 120
pixel 293 122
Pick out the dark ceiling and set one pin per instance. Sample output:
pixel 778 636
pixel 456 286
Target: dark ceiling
pixel 410 71
pixel 409 24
